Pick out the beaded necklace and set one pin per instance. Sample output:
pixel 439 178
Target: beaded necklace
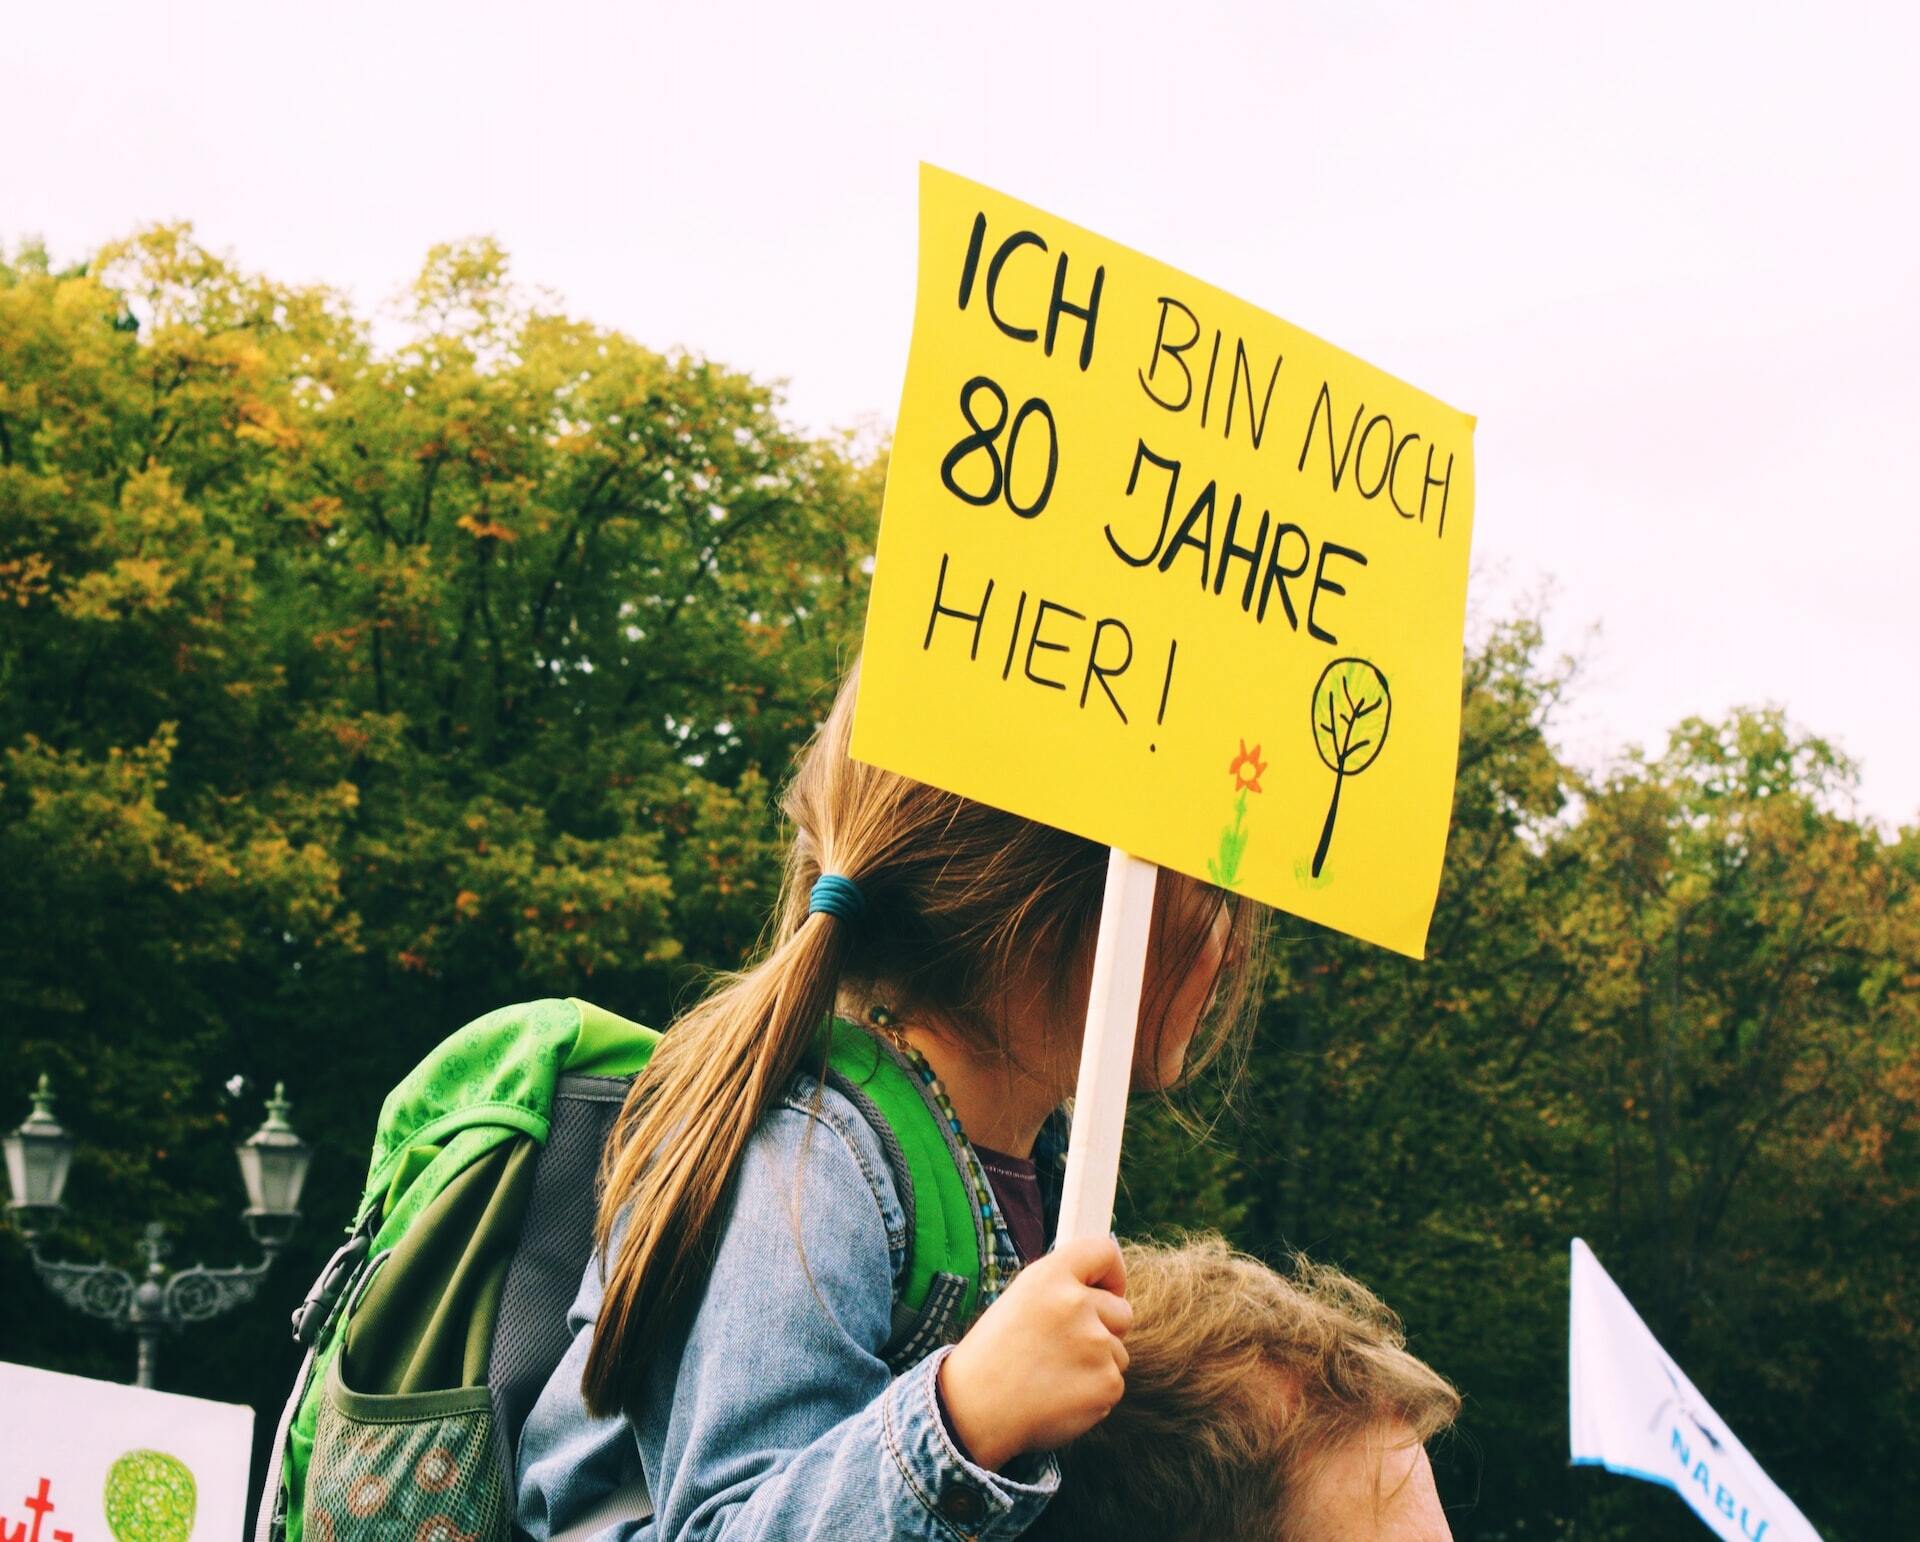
pixel 1001 1260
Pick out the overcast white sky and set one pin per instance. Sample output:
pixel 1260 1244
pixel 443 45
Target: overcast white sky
pixel 1666 252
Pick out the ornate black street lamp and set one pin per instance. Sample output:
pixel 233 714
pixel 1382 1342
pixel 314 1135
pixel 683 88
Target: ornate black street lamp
pixel 273 1166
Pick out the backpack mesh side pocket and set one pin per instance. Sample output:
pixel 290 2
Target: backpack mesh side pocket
pixel 405 1467
pixel 406 1446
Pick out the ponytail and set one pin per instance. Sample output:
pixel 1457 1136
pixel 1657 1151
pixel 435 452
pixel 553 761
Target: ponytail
pixel 686 1122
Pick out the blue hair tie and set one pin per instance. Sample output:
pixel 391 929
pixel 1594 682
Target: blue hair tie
pixel 834 895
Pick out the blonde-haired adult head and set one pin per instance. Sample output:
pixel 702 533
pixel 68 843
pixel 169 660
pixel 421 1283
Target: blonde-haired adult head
pixel 1246 1387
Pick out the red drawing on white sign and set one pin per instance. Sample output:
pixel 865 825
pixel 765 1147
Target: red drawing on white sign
pixel 40 1506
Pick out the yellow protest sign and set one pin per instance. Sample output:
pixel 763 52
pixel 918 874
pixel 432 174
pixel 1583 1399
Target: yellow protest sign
pixel 1161 569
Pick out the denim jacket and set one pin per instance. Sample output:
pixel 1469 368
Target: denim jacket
pixel 774 1416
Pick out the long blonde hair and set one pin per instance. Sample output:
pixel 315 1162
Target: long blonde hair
pixel 963 904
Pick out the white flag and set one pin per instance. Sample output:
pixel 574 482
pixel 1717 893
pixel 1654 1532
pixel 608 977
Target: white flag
pixel 1634 1412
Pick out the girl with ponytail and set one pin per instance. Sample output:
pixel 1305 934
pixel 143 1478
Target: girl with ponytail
pixel 730 1336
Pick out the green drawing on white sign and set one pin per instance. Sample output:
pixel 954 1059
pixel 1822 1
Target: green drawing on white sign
pixel 150 1497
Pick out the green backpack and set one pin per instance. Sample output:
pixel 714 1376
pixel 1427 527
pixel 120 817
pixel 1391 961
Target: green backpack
pixel 431 1331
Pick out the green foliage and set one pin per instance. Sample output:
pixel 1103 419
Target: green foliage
pixel 349 691
pixel 1676 1012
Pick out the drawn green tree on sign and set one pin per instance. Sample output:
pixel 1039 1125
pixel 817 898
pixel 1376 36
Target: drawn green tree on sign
pixel 150 1497
pixel 1351 709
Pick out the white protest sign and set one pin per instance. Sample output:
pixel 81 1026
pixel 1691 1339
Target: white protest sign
pixel 95 1461
pixel 1635 1413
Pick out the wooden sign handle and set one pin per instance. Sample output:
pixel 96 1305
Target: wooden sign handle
pixel 1106 1053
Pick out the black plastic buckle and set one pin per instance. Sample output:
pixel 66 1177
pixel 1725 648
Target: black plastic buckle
pixel 310 1317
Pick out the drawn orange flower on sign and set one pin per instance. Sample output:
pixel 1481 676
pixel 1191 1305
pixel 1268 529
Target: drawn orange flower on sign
pixel 1247 769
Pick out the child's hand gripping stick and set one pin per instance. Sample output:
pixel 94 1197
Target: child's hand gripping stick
pixel 1046 1362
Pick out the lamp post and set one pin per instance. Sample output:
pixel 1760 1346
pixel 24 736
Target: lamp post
pixel 273 1167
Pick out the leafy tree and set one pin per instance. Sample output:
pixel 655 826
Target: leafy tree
pixel 350 691
pixel 1674 1012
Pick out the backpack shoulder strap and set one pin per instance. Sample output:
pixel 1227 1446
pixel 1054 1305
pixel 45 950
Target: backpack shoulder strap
pixel 940 1286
